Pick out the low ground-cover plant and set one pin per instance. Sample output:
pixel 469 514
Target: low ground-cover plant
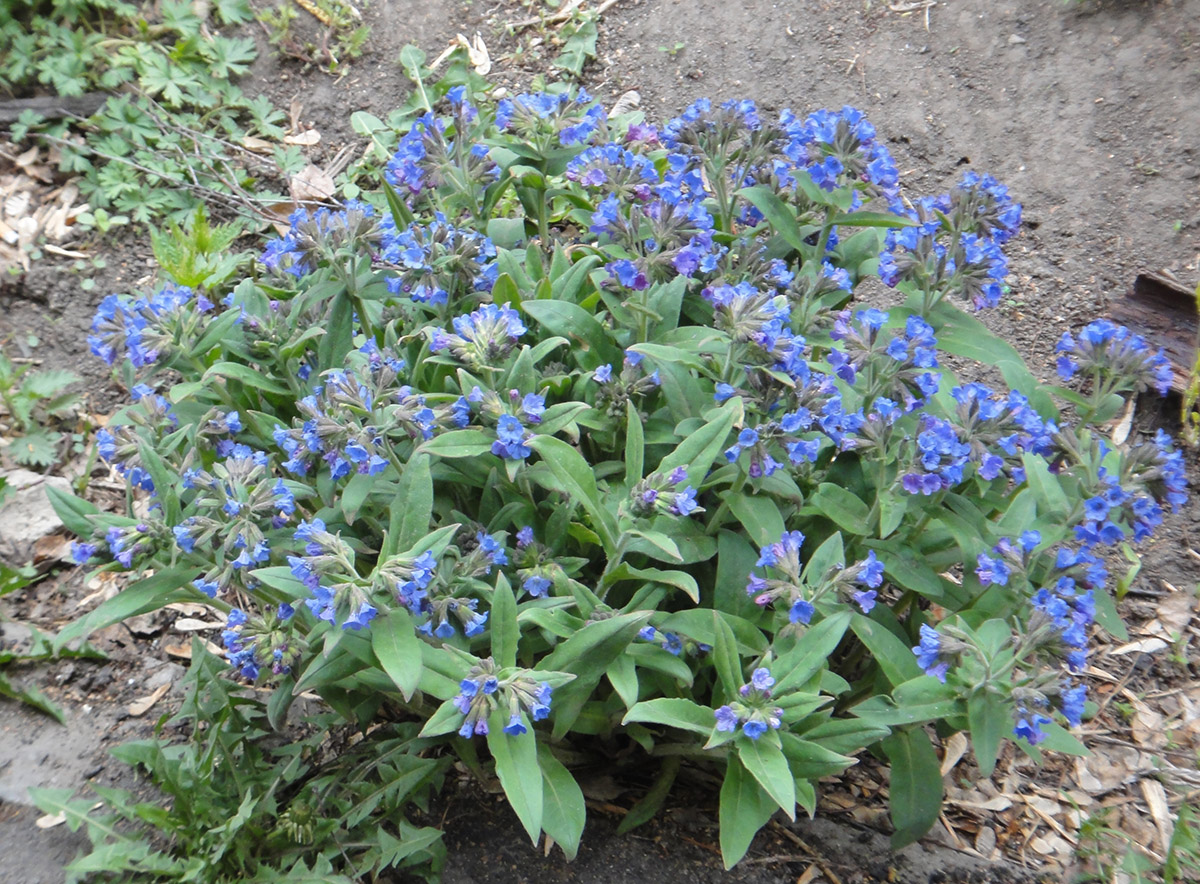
pixel 571 442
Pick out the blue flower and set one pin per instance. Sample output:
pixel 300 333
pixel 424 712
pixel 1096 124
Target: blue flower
pixel 1071 703
pixel 510 439
pixel 929 653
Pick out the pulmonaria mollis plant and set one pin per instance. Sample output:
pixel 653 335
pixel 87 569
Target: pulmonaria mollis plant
pixel 575 438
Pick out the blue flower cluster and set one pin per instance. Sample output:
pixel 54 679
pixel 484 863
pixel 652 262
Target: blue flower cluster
pixel 482 338
pixel 1113 356
pixel 536 115
pixel 837 148
pixel 662 493
pixel 425 158
pixel 858 583
pixel 437 263
pixel 954 245
pixel 263 642
pixel 482 691
pixel 320 235
pixel 235 503
pixel 146 328
pixel 753 709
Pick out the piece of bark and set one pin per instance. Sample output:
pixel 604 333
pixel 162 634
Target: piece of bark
pixel 52 107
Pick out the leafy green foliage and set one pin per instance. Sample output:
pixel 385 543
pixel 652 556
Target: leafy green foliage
pixel 647 488
pixel 341 40
pixel 241 805
pixel 37 401
pixel 177 142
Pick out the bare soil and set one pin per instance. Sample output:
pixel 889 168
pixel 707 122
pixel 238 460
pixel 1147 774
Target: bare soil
pixel 1088 111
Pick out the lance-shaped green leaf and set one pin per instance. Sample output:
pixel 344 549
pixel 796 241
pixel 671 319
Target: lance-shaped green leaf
pixel 766 763
pixel 990 720
pixel 810 653
pixel 674 712
pixel 517 768
pixel 503 624
pixel 411 508
pixel 578 479
pixel 148 594
pixel 745 808
pixel 458 443
pixel 399 650
pixel 915 786
pixel 564 812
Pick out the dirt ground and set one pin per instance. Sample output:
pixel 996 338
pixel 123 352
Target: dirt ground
pixel 1088 111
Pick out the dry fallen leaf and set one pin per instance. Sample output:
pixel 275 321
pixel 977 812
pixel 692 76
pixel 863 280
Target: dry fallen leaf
pixel 257 145
pixel 307 138
pixel 477 53
pixel 142 706
pixel 1160 811
pixel 1145 646
pixel 312 183
pixel 1175 612
pixel 956 747
pixel 50 820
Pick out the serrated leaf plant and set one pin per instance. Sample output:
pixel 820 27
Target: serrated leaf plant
pixel 573 440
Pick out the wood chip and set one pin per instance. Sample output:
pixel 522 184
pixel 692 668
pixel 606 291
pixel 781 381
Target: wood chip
pixel 142 706
pixel 985 841
pixel 184 652
pixel 188 624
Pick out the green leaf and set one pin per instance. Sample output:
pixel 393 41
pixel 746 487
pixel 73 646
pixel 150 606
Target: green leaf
pixel 673 712
pixel 458 443
pixel 961 334
pixel 579 480
pixel 842 506
pixel 990 720
pixel 698 451
pixel 810 653
pixel 635 445
pixel 1047 489
pixel 72 510
pixel 503 623
pixel 873 219
pixel 395 642
pixel 759 515
pixel 36 449
pixel 745 808
pixel 917 701
pixel 411 508
pixel 915 785
pixel 810 760
pixel 518 770
pixel 698 624
pixel 594 347
pixel 245 374
pixel 894 657
pixel 564 812
pixel 766 763
pixel 677 579
pixel 354 495
pixel 446 720
pixel 778 214
pixel 725 656
pixel 31 696
pixel 649 804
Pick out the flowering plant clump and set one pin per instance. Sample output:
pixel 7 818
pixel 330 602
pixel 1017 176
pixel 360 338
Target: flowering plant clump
pixel 574 437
